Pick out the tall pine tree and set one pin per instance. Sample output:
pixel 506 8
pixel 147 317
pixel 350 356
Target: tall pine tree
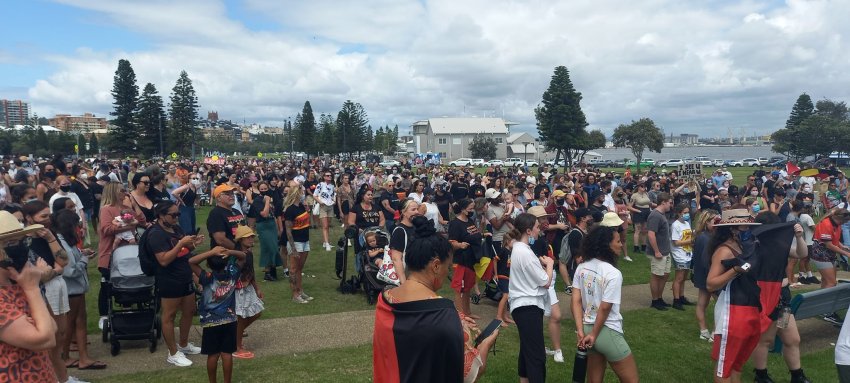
pixel 561 123
pixel 125 94
pixel 305 130
pixel 151 120
pixel 184 116
pixel 327 130
pixel 351 123
pixel 802 110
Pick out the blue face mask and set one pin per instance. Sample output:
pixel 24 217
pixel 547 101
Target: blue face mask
pixel 531 240
pixel 745 235
pixel 687 190
pixel 686 217
pixel 756 208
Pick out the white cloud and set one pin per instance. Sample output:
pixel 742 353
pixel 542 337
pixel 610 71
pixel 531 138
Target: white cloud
pixel 690 68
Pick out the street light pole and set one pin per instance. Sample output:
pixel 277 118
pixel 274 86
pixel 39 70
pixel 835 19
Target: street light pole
pixel 525 155
pixel 159 123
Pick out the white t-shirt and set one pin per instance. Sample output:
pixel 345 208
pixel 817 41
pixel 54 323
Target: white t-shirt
pixel 497 211
pixel 528 278
pixel 842 345
pixel 808 180
pixel 808 227
pixel 681 231
pixel 598 282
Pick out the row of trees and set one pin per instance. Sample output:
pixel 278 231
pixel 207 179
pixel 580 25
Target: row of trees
pixel 814 129
pixel 32 139
pixel 348 132
pixel 141 126
pixel 562 125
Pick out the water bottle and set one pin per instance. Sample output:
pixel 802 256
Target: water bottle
pixel 580 366
pixel 782 322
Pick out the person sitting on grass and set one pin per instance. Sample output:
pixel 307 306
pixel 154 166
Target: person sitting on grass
pixel 218 307
pixel 249 304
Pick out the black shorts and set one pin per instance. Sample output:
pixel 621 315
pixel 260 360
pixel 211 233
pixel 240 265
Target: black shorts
pixel 219 339
pixel 173 289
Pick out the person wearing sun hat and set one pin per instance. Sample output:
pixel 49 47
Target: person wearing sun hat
pixel 223 219
pixel 737 327
pixel 23 310
pixel 249 304
pixel 542 248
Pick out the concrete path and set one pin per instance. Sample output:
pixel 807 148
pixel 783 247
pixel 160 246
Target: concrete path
pixel 286 336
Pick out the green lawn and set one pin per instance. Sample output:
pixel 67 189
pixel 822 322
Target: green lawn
pixel 665 344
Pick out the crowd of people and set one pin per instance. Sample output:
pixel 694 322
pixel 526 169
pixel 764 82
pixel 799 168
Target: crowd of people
pixel 517 228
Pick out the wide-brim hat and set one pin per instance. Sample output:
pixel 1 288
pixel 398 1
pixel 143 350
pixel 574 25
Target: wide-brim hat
pixel 611 219
pixel 242 232
pixel 538 211
pixel 736 217
pixel 11 228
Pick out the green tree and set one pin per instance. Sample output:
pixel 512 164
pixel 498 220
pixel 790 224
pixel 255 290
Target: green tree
pixel 792 141
pixel 151 120
pixel 591 140
pixel 834 110
pixel 327 131
pixel 639 136
pixel 801 110
pixel 184 116
pixel 305 130
pixel 483 146
pixel 125 94
pixel 351 122
pixel 561 124
pixel 94 146
pixel 379 140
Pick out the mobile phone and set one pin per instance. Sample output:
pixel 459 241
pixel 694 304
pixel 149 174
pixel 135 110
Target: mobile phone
pixel 487 331
pixel 745 266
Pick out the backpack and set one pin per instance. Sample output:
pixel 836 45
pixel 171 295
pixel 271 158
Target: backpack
pixel 147 260
pixel 566 255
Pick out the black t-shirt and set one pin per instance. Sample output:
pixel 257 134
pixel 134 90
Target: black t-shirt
pixel 770 186
pixel 223 219
pixel 366 218
pixel 398 238
pixel 574 242
pixel 85 194
pixel 784 210
pixel 476 191
pixel 160 241
pixel 733 191
pixel 706 203
pixel 503 266
pixel 465 232
pixel 300 218
pixel 157 196
pixel 400 195
pixel 257 207
pixel 188 197
pixel 459 191
pixel 540 247
pixel 39 248
pixel 392 199
pixel 443 202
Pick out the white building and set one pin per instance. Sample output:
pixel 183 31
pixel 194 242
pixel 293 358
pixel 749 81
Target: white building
pixel 451 136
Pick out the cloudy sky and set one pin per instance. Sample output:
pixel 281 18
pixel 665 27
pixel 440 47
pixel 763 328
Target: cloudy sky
pixel 693 67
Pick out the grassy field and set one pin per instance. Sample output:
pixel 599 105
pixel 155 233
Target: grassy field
pixel 665 346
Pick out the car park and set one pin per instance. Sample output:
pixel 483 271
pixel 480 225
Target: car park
pixel 461 162
pixel 495 163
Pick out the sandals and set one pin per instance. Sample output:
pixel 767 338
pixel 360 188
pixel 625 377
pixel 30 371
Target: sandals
pixel 74 364
pixel 243 354
pixel 96 365
pixel 475 298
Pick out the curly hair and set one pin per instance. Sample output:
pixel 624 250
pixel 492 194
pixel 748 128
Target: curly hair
pixel 597 245
pixel 425 245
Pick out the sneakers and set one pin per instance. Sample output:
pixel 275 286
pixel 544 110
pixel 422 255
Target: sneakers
pixel 706 335
pixel 802 378
pixel 677 304
pixel 100 322
pixel 813 280
pixel 306 297
pixel 568 290
pixel 549 351
pixel 834 319
pixel 72 379
pixel 286 273
pixel 327 246
pixel 559 356
pixel 796 285
pixel 658 304
pixel 685 301
pixel 298 299
pixel 190 349
pixel 627 258
pixel 636 248
pixel 764 378
pixel 179 359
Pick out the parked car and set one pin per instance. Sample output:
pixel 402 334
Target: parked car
pixel 777 159
pixel 606 163
pixel 646 162
pixel 532 163
pixel 390 163
pixel 477 162
pixel 561 162
pixel 763 161
pixel 513 161
pixel 495 163
pixel 732 163
pixel 751 162
pixel 461 162
pixel 717 162
pixel 781 163
pixel 673 162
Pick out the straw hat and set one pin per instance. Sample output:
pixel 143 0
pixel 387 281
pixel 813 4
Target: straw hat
pixel 611 219
pixel 736 217
pixel 242 232
pixel 538 211
pixel 10 228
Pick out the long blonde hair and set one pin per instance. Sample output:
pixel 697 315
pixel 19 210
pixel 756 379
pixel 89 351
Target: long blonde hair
pixel 704 218
pixel 293 196
pixel 112 195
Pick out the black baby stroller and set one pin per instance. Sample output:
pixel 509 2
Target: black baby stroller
pixel 133 305
pixel 367 270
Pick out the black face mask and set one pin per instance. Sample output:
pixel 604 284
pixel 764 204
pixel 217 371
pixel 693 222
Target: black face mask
pixel 470 215
pixel 51 175
pixel 18 256
pixel 560 202
pixel 65 188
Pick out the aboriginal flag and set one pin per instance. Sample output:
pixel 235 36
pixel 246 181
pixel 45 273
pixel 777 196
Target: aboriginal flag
pixel 419 341
pixel 773 243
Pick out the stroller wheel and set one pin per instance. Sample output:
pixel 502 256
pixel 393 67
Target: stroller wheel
pixel 106 331
pixel 152 348
pixel 116 348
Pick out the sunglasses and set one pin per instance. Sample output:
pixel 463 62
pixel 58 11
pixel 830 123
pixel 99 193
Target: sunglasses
pixel 195 178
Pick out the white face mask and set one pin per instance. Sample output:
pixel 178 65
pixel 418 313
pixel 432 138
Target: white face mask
pixel 196 182
pixel 83 176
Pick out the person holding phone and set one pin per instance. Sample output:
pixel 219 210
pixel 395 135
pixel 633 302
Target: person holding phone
pixel 173 249
pixel 597 288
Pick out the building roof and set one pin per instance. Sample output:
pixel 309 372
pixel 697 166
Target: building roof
pixel 463 125
pixel 520 148
pixel 46 128
pixel 516 136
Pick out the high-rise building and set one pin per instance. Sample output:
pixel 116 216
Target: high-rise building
pixel 86 122
pixel 14 112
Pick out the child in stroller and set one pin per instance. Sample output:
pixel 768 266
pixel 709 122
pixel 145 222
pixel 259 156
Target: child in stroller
pixel 369 261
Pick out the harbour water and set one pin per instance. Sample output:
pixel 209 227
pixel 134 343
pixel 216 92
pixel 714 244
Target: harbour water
pixel 712 152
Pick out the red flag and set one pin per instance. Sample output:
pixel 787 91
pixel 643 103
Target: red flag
pixel 790 168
